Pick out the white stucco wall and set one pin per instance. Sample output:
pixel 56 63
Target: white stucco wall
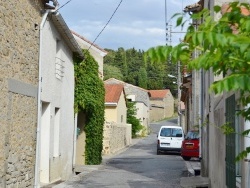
pixel 142 113
pixel 59 93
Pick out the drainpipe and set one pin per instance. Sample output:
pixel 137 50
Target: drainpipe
pixel 39 106
pixel 201 111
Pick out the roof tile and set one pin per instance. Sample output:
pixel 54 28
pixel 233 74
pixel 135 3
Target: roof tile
pixel 113 92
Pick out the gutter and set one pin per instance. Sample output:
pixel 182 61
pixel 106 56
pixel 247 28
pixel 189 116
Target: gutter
pixel 39 105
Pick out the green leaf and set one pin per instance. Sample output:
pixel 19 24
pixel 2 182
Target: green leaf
pixel 247 25
pixel 179 21
pixel 217 8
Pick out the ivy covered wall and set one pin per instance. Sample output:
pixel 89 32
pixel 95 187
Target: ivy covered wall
pixel 89 98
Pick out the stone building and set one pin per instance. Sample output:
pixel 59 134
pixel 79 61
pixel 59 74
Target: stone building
pixel 19 54
pixel 22 109
pixel 162 104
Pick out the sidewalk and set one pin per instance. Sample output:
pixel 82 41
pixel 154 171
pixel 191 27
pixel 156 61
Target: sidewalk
pixel 193 166
pixel 195 180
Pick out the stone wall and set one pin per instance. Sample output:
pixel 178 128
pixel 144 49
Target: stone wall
pixel 116 137
pixel 19 39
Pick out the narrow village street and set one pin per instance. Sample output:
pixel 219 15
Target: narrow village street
pixel 137 166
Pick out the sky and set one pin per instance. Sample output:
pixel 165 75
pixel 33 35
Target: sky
pixel 139 24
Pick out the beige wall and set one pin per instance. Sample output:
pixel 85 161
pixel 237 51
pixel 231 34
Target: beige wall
pixel 117 114
pixel 122 110
pixel 19 38
pixel 161 109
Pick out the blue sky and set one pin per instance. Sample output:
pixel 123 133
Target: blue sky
pixel 136 23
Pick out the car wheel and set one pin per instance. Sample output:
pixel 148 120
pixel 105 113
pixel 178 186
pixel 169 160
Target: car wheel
pixel 158 152
pixel 186 158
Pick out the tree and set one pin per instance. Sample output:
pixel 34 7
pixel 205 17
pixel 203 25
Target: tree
pixel 110 71
pixel 131 119
pixel 142 78
pixel 223 46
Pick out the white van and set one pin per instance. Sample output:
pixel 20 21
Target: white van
pixel 169 138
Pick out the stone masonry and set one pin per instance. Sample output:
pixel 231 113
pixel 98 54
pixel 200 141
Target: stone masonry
pixel 116 137
pixel 19 53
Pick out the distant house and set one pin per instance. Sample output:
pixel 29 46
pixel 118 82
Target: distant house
pixel 116 132
pixel 138 95
pixel 162 104
pixel 97 52
pixel 115 104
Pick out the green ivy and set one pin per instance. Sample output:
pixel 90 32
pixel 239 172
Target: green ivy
pixel 89 98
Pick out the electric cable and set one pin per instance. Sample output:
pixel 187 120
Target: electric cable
pixel 106 24
pixel 63 5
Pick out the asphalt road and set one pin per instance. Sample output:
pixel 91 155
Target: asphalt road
pixel 138 167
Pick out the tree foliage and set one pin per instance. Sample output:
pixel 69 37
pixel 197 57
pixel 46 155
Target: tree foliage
pixel 111 71
pixel 223 45
pixel 131 119
pixel 89 98
pixel 135 70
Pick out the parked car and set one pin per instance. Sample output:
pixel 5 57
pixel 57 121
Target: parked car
pixel 190 145
pixel 169 139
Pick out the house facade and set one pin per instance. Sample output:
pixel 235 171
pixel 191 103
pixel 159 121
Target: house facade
pixel 138 95
pixel 115 104
pixel 162 104
pixel 19 54
pixel 33 87
pixel 210 112
pixel 56 153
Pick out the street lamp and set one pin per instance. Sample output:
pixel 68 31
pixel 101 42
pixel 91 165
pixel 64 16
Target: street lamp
pixel 179 96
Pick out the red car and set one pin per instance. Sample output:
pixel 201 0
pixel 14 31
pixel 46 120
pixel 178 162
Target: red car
pixel 190 145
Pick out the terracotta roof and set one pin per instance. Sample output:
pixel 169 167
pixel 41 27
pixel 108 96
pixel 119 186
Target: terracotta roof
pixel 113 92
pixel 86 40
pixel 158 94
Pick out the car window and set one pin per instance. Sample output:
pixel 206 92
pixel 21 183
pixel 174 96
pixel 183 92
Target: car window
pixel 176 132
pixel 166 132
pixel 192 135
pixel 171 132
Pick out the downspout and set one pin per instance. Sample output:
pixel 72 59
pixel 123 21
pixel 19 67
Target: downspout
pixel 39 106
pixel 201 112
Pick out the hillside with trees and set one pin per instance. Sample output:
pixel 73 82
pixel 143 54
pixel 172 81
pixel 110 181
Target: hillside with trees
pixel 131 67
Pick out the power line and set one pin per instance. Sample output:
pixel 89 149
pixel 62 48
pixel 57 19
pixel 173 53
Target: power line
pixel 64 5
pixel 106 24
